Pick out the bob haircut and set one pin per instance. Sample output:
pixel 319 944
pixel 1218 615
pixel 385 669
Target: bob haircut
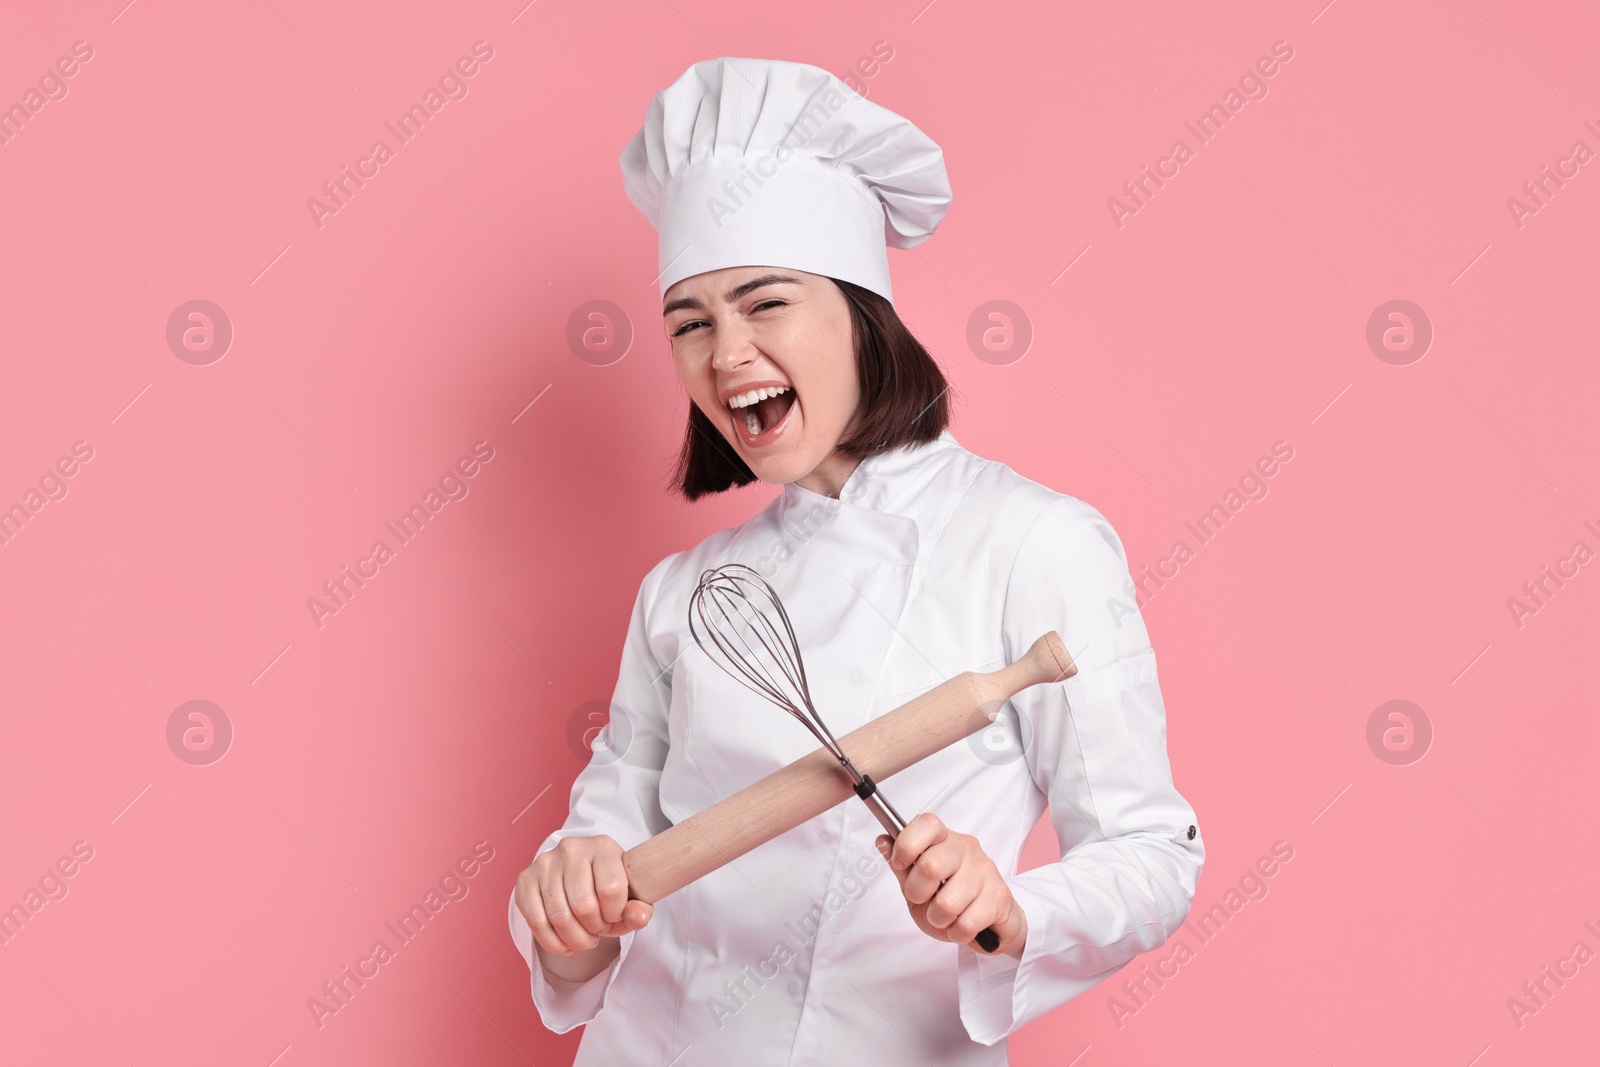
pixel 904 400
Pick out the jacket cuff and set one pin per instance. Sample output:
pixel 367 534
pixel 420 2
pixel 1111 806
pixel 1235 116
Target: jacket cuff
pixel 994 989
pixel 564 1006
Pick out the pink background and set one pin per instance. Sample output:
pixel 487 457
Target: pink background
pixel 432 712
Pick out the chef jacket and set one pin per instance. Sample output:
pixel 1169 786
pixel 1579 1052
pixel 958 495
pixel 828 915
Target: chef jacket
pixel 932 561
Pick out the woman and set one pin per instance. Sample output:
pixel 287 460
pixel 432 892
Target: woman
pixel 903 560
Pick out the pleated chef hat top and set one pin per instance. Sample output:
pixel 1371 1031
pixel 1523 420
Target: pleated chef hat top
pixel 746 162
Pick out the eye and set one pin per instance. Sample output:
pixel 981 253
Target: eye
pixel 685 327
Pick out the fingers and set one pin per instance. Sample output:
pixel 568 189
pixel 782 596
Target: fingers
pixel 937 862
pixel 610 885
pixel 946 903
pixel 920 833
pixel 594 862
pixel 576 893
pixel 530 901
pixel 636 914
pixel 954 889
pixel 985 910
pixel 885 845
pixel 569 931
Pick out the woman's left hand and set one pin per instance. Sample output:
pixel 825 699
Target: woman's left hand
pixel 974 895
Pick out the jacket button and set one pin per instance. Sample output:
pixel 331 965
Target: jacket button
pixel 857 677
pixel 1191 833
pixel 794 987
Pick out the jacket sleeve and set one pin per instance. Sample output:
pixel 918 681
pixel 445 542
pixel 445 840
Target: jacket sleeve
pixel 1098 752
pixel 615 794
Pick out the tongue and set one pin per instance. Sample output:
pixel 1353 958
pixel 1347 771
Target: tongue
pixel 771 410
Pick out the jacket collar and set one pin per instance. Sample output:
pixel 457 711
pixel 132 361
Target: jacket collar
pixel 877 480
pixel 879 511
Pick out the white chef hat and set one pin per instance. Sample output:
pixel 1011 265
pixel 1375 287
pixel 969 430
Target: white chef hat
pixel 745 162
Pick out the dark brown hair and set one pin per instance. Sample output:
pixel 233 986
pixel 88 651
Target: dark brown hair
pixel 904 400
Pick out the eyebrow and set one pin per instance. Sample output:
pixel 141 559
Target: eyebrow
pixel 732 294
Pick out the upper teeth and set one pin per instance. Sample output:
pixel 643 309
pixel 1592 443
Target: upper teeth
pixel 744 400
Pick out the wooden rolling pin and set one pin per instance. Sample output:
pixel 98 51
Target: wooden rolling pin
pixel 814 783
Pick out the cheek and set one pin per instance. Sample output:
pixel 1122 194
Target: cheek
pixel 711 408
pixel 695 376
pixel 831 383
pixel 842 385
pixel 832 398
pixel 700 387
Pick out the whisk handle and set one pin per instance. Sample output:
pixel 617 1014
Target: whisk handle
pixel 879 805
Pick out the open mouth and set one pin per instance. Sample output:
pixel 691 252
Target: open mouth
pixel 761 414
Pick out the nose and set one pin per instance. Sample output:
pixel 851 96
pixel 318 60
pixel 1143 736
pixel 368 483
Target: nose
pixel 733 348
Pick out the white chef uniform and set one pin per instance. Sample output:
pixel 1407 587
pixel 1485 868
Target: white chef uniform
pixel 933 562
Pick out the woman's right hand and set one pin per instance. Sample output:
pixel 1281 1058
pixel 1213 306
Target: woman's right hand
pixel 576 893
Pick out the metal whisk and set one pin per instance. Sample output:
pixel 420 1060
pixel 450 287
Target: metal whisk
pixel 749 636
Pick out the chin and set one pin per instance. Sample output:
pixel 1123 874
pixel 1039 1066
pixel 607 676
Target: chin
pixel 776 470
pixel 779 467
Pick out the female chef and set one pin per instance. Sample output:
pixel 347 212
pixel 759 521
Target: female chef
pixel 902 560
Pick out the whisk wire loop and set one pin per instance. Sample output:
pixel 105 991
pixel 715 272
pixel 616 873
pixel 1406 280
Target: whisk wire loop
pixel 776 672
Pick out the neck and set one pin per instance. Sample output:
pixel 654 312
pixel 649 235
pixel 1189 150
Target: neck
pixel 829 476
